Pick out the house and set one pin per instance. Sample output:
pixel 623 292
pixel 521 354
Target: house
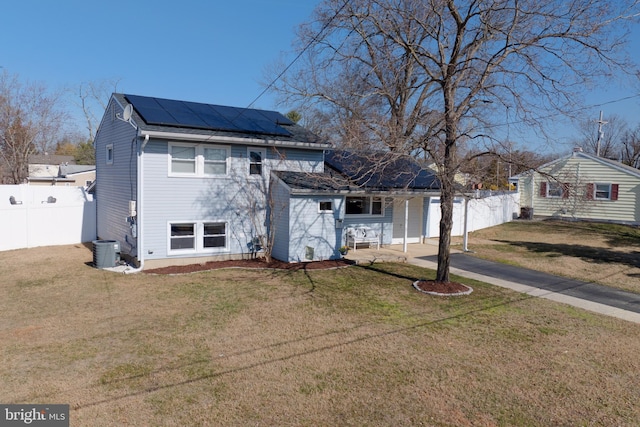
pixel 387 195
pixel 582 186
pixel 67 174
pixel 184 182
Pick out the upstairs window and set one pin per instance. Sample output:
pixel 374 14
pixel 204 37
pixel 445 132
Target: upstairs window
pixel 215 161
pixel 198 160
pixel 109 154
pixel 183 159
pixel 256 157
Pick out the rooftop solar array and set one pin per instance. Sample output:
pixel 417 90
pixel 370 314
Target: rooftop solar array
pixel 167 112
pixel 382 170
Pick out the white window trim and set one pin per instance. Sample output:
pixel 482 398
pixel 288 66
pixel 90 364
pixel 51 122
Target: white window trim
pixel 595 191
pixel 199 236
pixel 551 196
pixel 199 169
pixel 327 210
pixel 109 154
pixel 263 154
pixel 366 215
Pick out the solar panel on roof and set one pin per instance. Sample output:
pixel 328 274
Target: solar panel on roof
pixel 181 113
pixel 150 110
pixel 214 120
pixel 159 111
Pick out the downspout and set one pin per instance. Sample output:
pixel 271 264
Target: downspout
pixel 139 206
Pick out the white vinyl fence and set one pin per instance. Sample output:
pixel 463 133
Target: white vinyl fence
pixel 482 212
pixel 45 215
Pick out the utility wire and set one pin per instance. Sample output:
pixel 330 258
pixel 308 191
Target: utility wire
pixel 307 46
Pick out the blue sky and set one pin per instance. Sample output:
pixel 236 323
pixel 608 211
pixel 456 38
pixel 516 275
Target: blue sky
pixel 196 50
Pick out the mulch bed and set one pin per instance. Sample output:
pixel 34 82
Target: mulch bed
pixel 259 263
pixel 442 288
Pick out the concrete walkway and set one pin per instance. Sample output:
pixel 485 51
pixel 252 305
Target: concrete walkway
pixel 589 296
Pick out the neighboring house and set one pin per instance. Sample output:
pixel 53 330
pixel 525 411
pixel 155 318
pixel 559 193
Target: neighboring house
pixel 68 174
pixel 46 167
pixel 582 186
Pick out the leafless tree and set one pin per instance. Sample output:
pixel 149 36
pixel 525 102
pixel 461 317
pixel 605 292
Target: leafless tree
pixel 609 143
pixel 434 77
pixel 93 98
pixel 31 119
pixel 631 147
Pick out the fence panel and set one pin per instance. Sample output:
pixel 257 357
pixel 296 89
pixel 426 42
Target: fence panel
pixel 33 216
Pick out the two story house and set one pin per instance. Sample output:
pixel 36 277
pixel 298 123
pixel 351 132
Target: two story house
pixel 183 182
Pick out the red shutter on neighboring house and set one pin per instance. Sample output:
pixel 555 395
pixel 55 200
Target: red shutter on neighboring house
pixel 590 189
pixel 614 191
pixel 565 190
pixel 543 189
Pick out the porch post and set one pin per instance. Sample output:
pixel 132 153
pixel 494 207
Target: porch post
pixel 406 224
pixel 466 222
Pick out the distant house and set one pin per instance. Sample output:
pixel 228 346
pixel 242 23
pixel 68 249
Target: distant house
pixel 582 186
pixel 53 169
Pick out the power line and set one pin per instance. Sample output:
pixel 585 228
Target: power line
pixel 307 46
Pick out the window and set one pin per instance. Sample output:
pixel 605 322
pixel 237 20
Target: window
pixel 197 237
pixel 198 160
pixel 183 236
pixel 363 206
pixel 325 206
pixel 255 160
pixel 555 189
pixel 602 191
pixel 215 161
pixel 183 159
pixel 215 235
pixel 376 206
pixel 109 154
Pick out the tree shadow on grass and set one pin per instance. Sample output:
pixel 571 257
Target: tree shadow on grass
pixel 583 252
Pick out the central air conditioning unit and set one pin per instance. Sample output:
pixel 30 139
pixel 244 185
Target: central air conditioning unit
pixel 106 253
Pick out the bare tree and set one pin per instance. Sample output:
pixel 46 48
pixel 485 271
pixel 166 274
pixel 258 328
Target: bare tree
pixel 631 147
pixel 93 99
pixel 607 144
pixel 436 76
pixel 31 119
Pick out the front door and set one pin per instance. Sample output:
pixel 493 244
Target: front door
pixel 414 231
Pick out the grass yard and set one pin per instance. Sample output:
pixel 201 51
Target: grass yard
pixel 608 254
pixel 349 347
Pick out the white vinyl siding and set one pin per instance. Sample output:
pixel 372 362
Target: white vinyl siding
pixel 598 189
